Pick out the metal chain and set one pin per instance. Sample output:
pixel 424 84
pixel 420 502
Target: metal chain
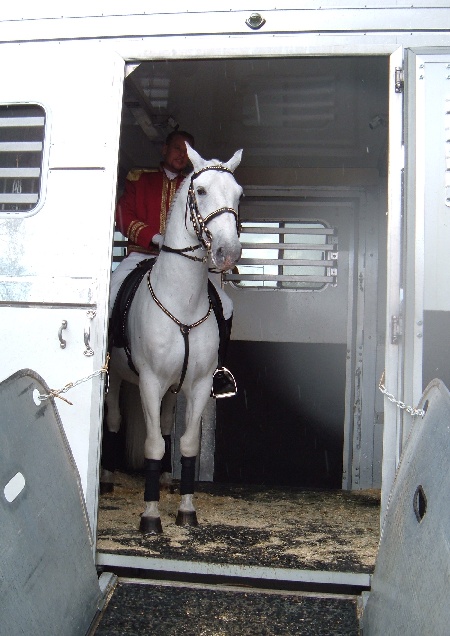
pixel 57 392
pixel 401 405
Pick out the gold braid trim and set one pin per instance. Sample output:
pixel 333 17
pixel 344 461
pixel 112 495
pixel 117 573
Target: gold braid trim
pixel 169 189
pixel 163 209
pixel 133 230
pixel 135 173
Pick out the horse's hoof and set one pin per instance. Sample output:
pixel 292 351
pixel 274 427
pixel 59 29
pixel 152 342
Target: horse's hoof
pixel 150 525
pixel 106 487
pixel 186 518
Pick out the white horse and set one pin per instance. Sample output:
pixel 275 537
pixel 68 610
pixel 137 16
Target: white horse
pixel 172 332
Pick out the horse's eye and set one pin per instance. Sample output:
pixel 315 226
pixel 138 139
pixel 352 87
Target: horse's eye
pixel 201 191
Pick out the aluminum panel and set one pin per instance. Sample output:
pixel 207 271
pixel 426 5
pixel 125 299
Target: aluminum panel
pixel 48 580
pixel 410 584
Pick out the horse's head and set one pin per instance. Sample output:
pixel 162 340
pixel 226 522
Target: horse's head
pixel 214 204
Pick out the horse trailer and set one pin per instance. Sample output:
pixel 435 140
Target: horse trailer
pixel 341 297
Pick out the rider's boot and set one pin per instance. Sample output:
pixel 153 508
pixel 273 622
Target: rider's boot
pixel 224 384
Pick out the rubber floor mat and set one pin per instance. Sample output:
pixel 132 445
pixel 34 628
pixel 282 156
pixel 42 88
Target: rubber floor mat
pixel 166 610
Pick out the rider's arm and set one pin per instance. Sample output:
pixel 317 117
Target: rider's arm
pixel 135 216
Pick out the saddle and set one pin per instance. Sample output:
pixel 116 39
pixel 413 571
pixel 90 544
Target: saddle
pixel 117 332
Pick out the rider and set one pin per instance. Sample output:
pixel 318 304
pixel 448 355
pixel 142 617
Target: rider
pixel 141 216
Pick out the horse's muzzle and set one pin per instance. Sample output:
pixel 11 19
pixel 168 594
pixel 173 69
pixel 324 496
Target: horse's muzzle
pixel 225 258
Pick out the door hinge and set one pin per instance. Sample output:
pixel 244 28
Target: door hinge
pixel 399 80
pixel 396 329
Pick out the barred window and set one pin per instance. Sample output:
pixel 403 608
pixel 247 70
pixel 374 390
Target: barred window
pixel 286 254
pixel 21 152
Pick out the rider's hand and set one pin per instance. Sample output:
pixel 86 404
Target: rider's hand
pixel 158 240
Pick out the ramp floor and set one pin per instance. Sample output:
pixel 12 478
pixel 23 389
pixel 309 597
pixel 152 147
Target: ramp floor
pixel 335 531
pixel 195 610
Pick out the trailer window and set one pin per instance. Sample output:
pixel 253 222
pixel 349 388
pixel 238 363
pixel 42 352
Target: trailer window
pixel 21 152
pixel 286 254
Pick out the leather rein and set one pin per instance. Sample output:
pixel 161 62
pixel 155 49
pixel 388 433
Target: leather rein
pixel 204 237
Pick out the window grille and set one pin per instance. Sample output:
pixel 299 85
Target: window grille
pixel 119 249
pixel 21 152
pixel 286 254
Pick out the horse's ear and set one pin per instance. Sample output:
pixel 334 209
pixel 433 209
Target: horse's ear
pixel 235 160
pixel 197 161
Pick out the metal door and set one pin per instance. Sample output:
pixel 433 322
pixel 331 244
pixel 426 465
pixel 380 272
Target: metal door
pixel 55 259
pixel 296 336
pixel 419 229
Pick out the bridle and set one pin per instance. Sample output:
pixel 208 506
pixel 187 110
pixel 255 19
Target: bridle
pixel 204 237
pixel 199 223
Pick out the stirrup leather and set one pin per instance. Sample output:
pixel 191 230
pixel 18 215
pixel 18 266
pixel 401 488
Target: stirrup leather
pixel 224 384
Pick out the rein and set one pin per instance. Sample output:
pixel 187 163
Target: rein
pixel 185 329
pixel 182 252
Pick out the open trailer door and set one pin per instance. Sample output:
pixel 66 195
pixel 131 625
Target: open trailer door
pixel 60 108
pixel 394 292
pixel 418 313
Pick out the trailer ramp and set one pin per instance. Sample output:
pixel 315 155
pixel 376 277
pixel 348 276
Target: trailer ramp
pixel 409 592
pixel 48 579
pixel 162 608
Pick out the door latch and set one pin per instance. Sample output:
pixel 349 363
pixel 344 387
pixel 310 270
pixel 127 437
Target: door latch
pixel 399 80
pixel 396 329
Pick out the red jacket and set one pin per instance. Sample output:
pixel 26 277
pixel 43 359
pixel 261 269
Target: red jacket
pixel 142 209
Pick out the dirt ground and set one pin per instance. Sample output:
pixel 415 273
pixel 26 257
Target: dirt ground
pixel 248 525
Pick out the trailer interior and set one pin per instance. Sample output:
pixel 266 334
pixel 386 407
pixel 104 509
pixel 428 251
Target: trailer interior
pixel 308 340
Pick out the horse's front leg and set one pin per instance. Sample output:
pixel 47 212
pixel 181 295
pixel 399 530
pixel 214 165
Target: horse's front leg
pixel 153 452
pixel 111 426
pixel 167 419
pixel 190 446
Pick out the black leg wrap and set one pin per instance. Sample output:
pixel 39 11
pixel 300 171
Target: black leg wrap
pixel 166 462
pixel 152 469
pixel 187 475
pixel 110 450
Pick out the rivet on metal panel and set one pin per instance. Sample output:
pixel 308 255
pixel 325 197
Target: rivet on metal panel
pixel 255 21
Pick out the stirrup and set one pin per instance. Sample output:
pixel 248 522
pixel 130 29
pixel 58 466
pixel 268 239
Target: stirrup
pixel 224 384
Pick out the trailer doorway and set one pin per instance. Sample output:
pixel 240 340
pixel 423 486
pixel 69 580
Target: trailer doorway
pixel 314 134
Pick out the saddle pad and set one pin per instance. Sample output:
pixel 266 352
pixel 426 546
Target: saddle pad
pixel 48 579
pixel 122 304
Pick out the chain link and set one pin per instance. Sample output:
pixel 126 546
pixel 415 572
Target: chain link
pixel 401 405
pixel 56 393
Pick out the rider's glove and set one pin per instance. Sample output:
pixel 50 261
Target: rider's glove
pixel 158 240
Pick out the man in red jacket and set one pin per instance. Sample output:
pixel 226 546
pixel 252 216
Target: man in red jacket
pixel 141 217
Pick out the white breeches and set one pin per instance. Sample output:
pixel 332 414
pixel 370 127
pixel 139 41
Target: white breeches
pixel 130 262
